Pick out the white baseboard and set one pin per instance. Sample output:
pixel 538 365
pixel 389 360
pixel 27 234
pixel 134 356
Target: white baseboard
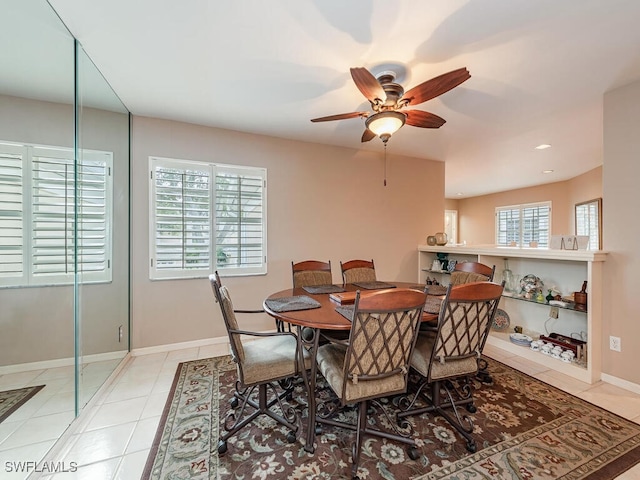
pixel 61 362
pixel 619 382
pixel 180 346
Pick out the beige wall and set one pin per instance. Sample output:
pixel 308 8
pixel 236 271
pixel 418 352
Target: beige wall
pixel 476 215
pixel 621 231
pixel 326 203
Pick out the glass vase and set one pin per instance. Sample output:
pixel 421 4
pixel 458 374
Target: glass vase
pixel 507 277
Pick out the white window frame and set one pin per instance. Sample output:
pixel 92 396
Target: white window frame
pixel 160 265
pixel 506 235
pixel 39 242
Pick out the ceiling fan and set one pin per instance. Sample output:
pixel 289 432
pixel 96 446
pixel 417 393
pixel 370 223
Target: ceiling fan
pixel 389 102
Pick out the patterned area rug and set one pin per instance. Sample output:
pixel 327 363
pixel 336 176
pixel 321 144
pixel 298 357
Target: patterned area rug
pixel 11 400
pixel 525 429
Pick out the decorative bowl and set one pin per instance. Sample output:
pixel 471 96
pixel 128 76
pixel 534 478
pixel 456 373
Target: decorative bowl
pixel 441 239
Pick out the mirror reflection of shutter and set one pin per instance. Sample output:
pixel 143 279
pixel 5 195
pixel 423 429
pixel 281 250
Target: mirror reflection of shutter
pixel 94 175
pixel 52 204
pixel 54 211
pixel 11 215
pixel 239 218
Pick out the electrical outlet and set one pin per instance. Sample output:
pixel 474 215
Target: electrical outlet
pixel 615 344
pixel 554 312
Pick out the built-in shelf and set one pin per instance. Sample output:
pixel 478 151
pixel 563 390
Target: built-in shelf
pixel 568 306
pixel 564 269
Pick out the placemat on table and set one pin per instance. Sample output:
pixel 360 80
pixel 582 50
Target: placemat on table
pixel 374 285
pixel 346 312
pixel 289 304
pixel 432 305
pixel 317 289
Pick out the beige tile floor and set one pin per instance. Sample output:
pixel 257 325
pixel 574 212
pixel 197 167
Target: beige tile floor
pixel 115 433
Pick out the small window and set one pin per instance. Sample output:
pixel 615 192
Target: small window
pixel 589 222
pixel 523 225
pixel 54 214
pixel 206 217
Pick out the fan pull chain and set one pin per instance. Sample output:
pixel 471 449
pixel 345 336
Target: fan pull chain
pixel 385 164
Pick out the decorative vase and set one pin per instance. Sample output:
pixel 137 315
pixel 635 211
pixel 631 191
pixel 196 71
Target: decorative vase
pixel 507 277
pixel 431 240
pixel 441 239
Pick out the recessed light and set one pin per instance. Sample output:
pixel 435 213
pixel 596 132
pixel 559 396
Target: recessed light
pixel 547 171
pixel 542 146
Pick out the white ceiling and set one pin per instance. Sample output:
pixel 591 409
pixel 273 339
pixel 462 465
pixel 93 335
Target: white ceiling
pixel 539 69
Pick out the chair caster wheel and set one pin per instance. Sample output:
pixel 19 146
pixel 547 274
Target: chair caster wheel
pixel 222 447
pixel 291 437
pixel 234 402
pixel 471 447
pixel 471 408
pixel 413 453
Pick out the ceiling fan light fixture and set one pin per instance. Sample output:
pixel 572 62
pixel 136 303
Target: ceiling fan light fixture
pixel 385 124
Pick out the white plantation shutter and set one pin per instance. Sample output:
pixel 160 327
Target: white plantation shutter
pixel 535 224
pixel 66 217
pixel 523 224
pixel 239 219
pixel 181 219
pixel 507 226
pixel 206 217
pixel 11 215
pixel 587 222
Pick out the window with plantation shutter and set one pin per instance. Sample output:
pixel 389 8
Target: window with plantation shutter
pixel 65 219
pixel 522 224
pixel 206 217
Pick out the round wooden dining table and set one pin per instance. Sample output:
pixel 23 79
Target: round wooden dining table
pixel 309 322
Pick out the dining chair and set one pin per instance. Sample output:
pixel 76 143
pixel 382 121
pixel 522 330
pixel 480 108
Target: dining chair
pixel 311 273
pixel 266 365
pixel 448 360
pixel 374 363
pixel 468 272
pixel 355 271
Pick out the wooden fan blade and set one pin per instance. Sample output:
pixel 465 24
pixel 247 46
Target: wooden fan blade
pixel 436 86
pixel 341 116
pixel 367 136
pixel 418 118
pixel 368 84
